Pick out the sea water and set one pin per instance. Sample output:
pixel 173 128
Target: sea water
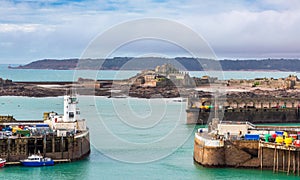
pixel 101 164
pixel 130 139
pixel 73 75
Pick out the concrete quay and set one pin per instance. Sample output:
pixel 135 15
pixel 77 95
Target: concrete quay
pixel 228 146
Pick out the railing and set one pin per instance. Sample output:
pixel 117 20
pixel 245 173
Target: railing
pixel 209 142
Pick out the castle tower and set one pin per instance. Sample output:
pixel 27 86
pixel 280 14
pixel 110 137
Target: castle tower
pixel 71 112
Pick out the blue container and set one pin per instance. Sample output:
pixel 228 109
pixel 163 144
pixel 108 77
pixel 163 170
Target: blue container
pixel 42 125
pixel 253 137
pixel 279 133
pixel 7 129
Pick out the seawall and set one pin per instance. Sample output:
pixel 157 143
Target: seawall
pixel 247 154
pixel 71 148
pixel 253 115
pixel 229 154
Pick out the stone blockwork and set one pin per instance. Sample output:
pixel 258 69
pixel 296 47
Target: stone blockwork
pixel 232 154
pixel 209 156
pixel 241 153
pixel 72 148
pixel 246 154
pixel 193 116
pixel 255 115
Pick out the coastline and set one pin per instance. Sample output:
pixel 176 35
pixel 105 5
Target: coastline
pixel 55 89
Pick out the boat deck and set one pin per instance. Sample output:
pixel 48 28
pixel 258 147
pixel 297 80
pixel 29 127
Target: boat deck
pixel 56 161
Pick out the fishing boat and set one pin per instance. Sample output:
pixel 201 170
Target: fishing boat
pixel 2 162
pixel 37 160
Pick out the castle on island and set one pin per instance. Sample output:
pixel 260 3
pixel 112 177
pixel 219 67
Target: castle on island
pixel 167 74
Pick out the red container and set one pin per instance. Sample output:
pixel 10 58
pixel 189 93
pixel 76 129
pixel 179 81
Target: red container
pixel 274 136
pixel 297 143
pixel 294 136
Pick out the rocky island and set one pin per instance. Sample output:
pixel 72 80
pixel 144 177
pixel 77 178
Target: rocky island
pixel 259 100
pixel 164 81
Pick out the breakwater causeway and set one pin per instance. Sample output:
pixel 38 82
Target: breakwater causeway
pixel 243 145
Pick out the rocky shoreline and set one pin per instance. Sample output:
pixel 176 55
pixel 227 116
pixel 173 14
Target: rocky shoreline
pixel 29 90
pixel 54 89
pixel 164 81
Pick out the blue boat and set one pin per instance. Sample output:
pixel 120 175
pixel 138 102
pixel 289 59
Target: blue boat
pixel 36 161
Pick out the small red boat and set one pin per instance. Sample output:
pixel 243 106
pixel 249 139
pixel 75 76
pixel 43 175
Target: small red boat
pixel 2 162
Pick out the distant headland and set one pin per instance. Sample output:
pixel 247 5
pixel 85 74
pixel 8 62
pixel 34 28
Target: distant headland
pixel 181 63
pixel 163 81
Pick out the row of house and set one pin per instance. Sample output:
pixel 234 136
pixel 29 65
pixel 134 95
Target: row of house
pixel 290 82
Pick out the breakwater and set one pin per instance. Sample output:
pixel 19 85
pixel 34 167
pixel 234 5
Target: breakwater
pixel 248 154
pixel 19 139
pixel 60 137
pixel 243 145
pixel 70 148
pixel 253 115
pixel 259 109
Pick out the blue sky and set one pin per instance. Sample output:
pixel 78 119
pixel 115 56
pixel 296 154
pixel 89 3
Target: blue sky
pixel 236 29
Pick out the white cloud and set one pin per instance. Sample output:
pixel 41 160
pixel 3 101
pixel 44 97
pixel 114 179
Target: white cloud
pixel 233 28
pixel 26 28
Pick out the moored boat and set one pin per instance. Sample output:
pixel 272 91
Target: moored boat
pixel 2 162
pixel 37 160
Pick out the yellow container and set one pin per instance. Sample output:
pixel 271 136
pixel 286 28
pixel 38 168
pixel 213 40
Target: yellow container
pixel 285 134
pixel 46 115
pixel 14 129
pixel 279 140
pixel 288 141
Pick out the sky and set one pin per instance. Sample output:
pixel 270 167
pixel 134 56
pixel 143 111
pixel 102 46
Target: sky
pixel 234 29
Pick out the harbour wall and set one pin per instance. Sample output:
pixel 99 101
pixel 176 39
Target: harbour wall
pixel 247 154
pixel 230 154
pixel 71 148
pixel 253 115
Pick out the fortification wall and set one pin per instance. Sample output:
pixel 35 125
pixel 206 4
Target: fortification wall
pixel 251 115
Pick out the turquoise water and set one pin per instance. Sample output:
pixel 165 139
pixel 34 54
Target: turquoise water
pixel 101 164
pixel 68 75
pixel 131 138
pixel 60 75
